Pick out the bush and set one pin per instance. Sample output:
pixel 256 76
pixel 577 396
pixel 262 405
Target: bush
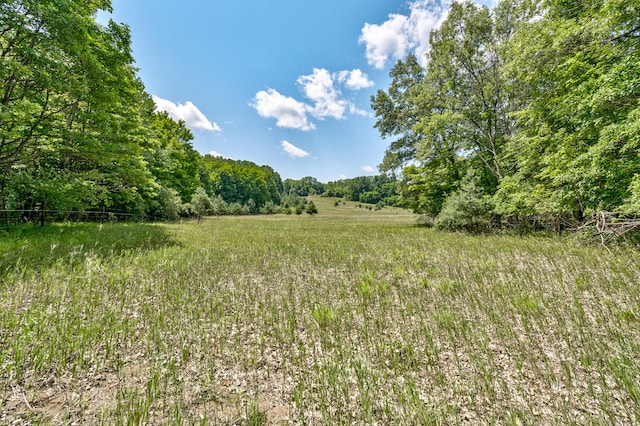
pixel 186 210
pixel 170 203
pixel 467 209
pixel 268 208
pixel 201 202
pixel 219 206
pixel 311 208
pixel 235 209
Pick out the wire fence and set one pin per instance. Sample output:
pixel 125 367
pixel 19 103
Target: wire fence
pixel 10 218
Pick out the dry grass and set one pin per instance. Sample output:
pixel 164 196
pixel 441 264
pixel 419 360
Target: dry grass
pixel 350 316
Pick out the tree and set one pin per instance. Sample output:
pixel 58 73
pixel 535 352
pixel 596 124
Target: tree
pixel 578 71
pixel 397 113
pixel 76 140
pixel 241 181
pixel 42 41
pixel 467 209
pixel 469 104
pixel 170 156
pixel 306 186
pixel 78 130
pixel 201 202
pixel 39 42
pixel 456 113
pixel 311 208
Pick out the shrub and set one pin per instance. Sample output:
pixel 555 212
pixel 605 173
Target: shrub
pixel 467 209
pixel 311 208
pixel 219 206
pixel 201 202
pixel 268 208
pixel 235 209
pixel 170 203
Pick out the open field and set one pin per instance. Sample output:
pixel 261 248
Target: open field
pixel 347 317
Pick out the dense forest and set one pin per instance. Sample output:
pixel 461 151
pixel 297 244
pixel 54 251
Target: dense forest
pixel 524 115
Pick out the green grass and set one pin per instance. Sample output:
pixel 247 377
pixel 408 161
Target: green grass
pixel 348 316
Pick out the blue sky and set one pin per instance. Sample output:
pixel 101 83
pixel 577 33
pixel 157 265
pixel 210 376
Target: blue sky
pixel 284 83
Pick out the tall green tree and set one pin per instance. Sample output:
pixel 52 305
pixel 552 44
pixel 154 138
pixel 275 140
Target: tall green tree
pixel 71 124
pixel 466 96
pixel 171 157
pixel 397 112
pixel 456 112
pixel 46 61
pixel 307 185
pixel 241 182
pixel 578 69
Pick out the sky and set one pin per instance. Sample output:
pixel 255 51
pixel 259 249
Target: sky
pixel 286 83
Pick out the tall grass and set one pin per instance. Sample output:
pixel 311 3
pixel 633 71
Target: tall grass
pixel 350 316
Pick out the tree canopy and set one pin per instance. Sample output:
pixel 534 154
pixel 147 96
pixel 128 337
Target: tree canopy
pixel 78 131
pixel 540 98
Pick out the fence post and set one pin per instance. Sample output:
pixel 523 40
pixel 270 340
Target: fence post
pixel 44 213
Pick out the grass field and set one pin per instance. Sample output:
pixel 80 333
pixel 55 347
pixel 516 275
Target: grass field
pixel 350 316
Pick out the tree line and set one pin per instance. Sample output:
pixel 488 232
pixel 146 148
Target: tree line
pixel 525 115
pixel 79 132
pixel 381 190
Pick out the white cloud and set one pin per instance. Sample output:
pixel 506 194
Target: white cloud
pixel 319 88
pixel 293 150
pixel 368 169
pixel 217 154
pixel 188 112
pixel 387 39
pixel 355 110
pixel 325 99
pixel 400 34
pixel 287 111
pixel 355 79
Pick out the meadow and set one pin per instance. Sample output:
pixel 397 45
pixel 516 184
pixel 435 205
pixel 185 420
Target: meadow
pixel 351 316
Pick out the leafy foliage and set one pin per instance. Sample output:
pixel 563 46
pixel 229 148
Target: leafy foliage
pixel 539 98
pixel 311 208
pixel 303 187
pixel 365 189
pixel 78 130
pixel 466 209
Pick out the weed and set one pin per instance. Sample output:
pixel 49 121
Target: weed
pixel 324 316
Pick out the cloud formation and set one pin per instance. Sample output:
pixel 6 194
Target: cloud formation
pixel 354 79
pixel 320 89
pixel 293 150
pixel 187 112
pixel 325 99
pixel 287 111
pixel 368 169
pixel 399 34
